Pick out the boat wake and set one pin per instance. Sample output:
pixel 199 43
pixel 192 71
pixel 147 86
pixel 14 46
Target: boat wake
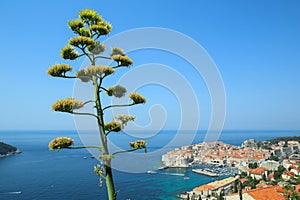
pixel 17 192
pixel 171 174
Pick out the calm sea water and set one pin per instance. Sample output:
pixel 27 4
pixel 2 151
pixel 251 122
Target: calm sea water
pixel 38 173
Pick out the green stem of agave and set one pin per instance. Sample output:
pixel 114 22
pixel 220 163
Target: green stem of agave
pixel 107 163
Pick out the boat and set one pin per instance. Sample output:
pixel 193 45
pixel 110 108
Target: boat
pixel 162 167
pixel 150 172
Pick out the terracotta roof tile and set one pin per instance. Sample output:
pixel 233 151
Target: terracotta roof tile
pixel 269 193
pixel 243 180
pixel 271 175
pixel 288 173
pixel 259 170
pixel 203 188
pixel 297 188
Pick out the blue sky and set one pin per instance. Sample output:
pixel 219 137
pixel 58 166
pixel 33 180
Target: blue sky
pixel 255 45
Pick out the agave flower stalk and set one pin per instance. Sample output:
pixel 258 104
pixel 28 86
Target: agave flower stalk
pixel 88 28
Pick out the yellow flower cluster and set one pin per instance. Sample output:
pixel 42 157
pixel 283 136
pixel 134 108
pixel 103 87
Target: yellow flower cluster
pixel 59 70
pixel 137 98
pixel 124 118
pixel 68 52
pixel 117 51
pixel 94 24
pixel 75 25
pixel 113 126
pixel 86 74
pixel 117 91
pixel 98 170
pixel 60 143
pixel 67 105
pixel 139 144
pixel 122 60
pixel 90 16
pixel 84 32
pixel 100 29
pixel 81 41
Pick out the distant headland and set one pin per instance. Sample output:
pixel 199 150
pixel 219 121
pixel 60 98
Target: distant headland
pixel 7 150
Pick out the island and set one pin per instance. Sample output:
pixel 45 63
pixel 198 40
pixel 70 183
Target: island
pixel 7 150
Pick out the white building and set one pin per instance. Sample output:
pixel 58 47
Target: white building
pixel 270 164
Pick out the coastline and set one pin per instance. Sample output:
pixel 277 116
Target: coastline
pixel 8 150
pixel 18 151
pixel 149 188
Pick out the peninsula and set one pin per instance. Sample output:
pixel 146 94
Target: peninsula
pixel 7 150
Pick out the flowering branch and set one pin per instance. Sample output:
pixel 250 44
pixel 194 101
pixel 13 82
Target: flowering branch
pixel 118 105
pixel 90 101
pixel 104 89
pixel 67 76
pixel 104 57
pixel 85 147
pixel 88 114
pixel 125 151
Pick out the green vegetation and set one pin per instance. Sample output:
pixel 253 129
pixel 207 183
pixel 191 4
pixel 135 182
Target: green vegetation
pixel 221 196
pixel 286 139
pixel 279 172
pixel 252 182
pixel 88 28
pixel 253 165
pixel 6 149
pixel 243 174
pixel 267 144
pixel 275 158
pixel 290 193
pixel 235 186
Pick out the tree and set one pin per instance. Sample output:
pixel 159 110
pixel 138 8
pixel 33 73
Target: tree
pixel 220 196
pixel 235 186
pixel 279 172
pixel 253 165
pixel 264 177
pixel 240 190
pixel 243 174
pixel 290 193
pixel 275 158
pixel 88 28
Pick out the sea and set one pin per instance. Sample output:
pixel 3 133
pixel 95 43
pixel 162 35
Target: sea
pixel 40 174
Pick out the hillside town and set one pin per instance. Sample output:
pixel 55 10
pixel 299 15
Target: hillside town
pixel 264 170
